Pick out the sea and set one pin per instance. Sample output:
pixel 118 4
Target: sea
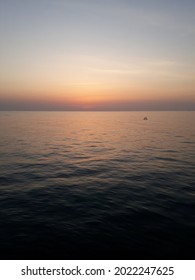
pixel 97 185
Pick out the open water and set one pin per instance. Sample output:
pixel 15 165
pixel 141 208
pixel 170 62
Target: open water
pixel 97 185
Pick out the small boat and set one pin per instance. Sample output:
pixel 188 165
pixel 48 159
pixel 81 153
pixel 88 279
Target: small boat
pixel 145 118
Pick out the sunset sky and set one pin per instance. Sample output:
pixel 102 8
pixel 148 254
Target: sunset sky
pixel 97 55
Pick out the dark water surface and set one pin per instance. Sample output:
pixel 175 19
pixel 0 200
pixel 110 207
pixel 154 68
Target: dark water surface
pixel 97 185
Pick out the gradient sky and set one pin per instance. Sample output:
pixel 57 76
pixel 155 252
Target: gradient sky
pixel 97 54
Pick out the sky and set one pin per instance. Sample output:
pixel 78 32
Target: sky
pixel 97 55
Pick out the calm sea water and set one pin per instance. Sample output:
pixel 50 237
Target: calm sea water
pixel 97 185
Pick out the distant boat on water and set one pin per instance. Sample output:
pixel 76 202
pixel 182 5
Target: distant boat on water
pixel 145 118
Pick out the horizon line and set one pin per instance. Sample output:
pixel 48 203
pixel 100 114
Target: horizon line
pixel 23 110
